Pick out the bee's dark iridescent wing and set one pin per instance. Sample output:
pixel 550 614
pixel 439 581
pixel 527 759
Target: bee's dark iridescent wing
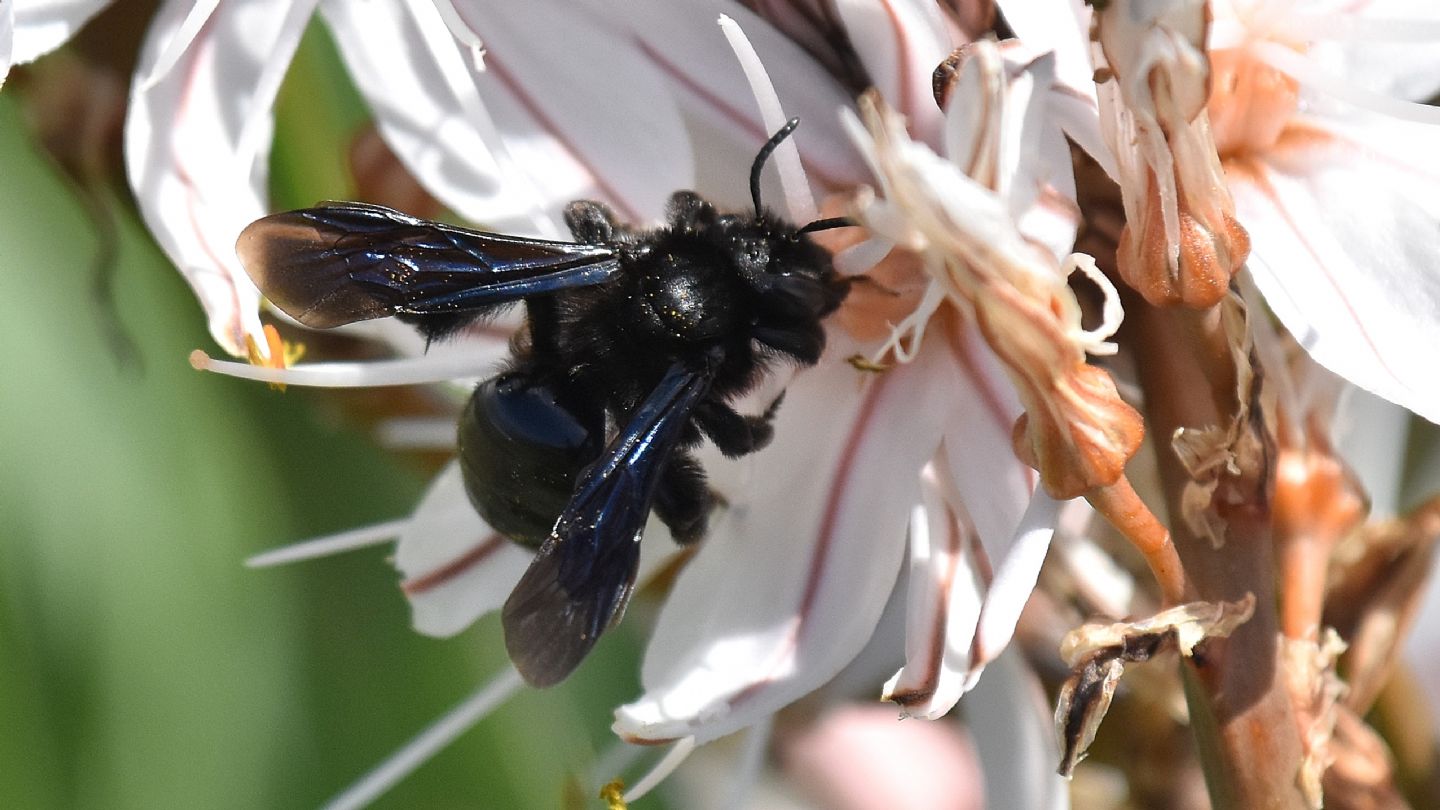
pixel 345 262
pixel 581 579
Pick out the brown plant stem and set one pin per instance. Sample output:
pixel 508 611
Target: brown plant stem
pixel 1244 724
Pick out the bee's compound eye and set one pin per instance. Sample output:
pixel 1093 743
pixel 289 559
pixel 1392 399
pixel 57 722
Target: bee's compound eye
pixel 520 452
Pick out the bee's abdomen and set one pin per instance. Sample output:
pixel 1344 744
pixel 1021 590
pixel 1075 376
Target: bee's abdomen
pixel 520 453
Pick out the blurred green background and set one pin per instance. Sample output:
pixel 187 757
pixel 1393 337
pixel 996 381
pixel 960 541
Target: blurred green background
pixel 141 665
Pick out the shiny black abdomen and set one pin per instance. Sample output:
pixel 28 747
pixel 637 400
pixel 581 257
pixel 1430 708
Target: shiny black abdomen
pixel 520 453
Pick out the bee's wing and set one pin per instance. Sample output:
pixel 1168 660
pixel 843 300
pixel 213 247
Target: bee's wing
pixel 581 579
pixel 345 262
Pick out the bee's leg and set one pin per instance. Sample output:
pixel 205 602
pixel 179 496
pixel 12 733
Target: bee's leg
pixel 734 434
pixel 590 222
pixel 542 325
pixel 682 499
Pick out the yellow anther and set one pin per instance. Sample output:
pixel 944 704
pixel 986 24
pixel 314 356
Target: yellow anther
pixel 613 794
pixel 278 354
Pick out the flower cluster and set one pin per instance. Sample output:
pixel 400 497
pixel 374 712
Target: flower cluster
pixel 1008 173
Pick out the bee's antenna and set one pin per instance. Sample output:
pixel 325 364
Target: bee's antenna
pixel 828 224
pixel 759 165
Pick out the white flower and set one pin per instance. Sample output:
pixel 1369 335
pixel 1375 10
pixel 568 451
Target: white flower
pixel 1333 175
pixel 895 458
pixel 796 570
pixel 1311 103
pixel 990 225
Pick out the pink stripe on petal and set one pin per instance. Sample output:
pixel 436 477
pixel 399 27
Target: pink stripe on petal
pixel 900 42
pixel 962 342
pixel 841 476
pixel 483 550
pixel 574 79
pixel 794 575
pixel 982 422
pixel 942 595
pixel 197 186
pixel 520 94
pixel 450 578
pixel 748 124
pixel 707 81
pixel 1255 175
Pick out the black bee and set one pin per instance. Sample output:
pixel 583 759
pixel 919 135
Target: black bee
pixel 639 336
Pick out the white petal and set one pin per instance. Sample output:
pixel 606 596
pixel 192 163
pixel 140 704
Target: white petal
pixel 1041 172
pixel 554 117
pixel 1015 579
pixel 41 26
pixel 711 88
pixel 794 577
pixel 1079 117
pixel 944 592
pixel 197 147
pixel 992 484
pixel 455 567
pixel 1011 722
pixel 1053 217
pixel 1355 283
pixel 980 471
pixel 1390 64
pixel 178 41
pixel 1045 27
pixel 555 72
pixel 1371 436
pixel 901 42
pixel 1072 101
pixel 422 91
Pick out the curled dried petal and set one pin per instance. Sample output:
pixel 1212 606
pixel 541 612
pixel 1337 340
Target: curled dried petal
pixel 1098 653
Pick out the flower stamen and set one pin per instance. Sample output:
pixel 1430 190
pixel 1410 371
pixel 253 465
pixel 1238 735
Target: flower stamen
pixel 362 537
pixel 378 373
pixel 798 200
pixel 677 754
pixel 613 794
pixel 275 352
pixel 440 734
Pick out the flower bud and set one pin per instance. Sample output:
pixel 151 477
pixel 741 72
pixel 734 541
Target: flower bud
pixel 1181 243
